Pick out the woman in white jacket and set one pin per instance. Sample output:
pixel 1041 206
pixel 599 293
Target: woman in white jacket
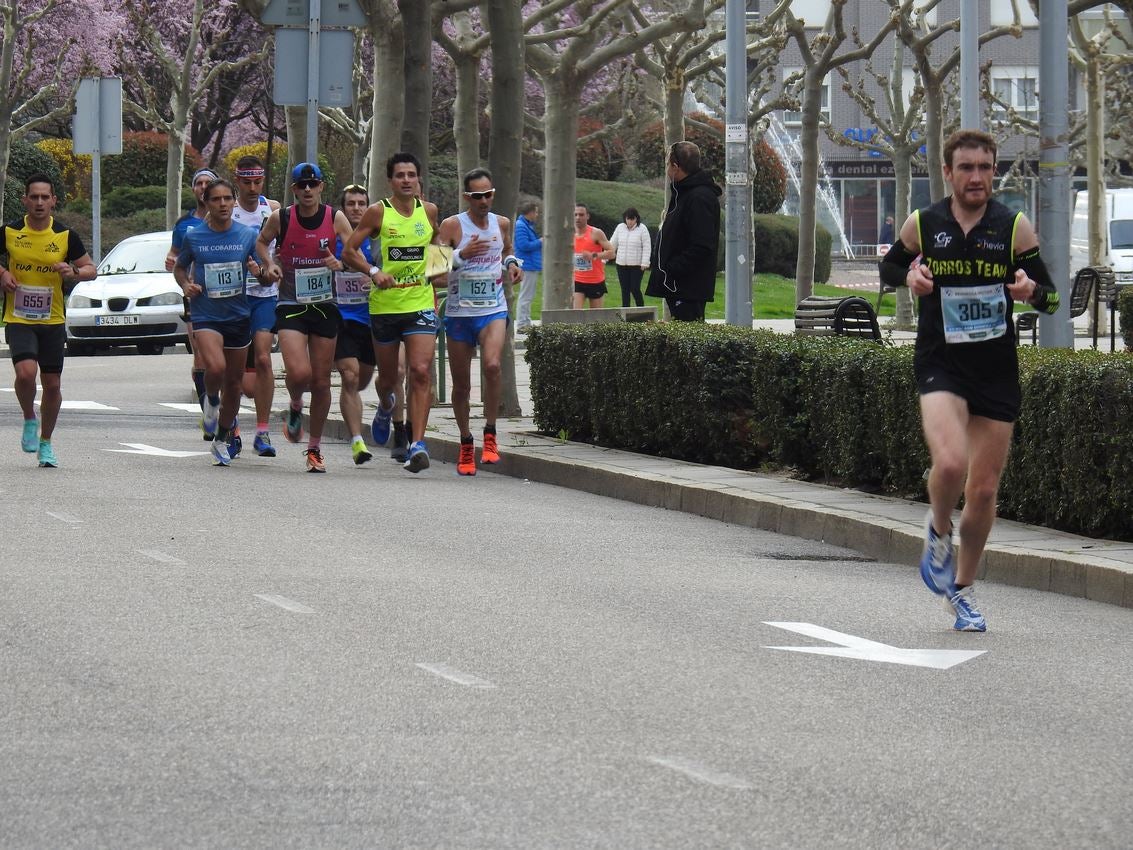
pixel 631 244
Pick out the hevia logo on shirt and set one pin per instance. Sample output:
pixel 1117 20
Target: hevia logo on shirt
pixel 942 240
pixel 419 228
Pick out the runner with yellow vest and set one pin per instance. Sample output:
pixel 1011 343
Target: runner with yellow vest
pixel 43 260
pixel 402 305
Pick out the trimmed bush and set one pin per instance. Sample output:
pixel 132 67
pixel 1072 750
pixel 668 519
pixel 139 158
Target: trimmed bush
pixel 843 411
pixel 652 154
pixel 142 162
pixel 1125 315
pixel 777 247
pixel 280 174
pixel 126 200
pixel 769 182
pixel 607 202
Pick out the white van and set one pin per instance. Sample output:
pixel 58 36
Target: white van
pixel 1117 253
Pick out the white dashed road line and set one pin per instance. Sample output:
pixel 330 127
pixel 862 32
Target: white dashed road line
pixel 701 773
pixel 461 678
pixel 161 557
pixel 285 603
pixel 74 520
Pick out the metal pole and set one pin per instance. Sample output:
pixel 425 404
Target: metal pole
pixel 96 206
pixel 314 24
pixel 970 64
pixel 737 248
pixel 1055 331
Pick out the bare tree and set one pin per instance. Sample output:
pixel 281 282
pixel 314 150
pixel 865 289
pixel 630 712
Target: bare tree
pixel 567 45
pixel 416 16
pixel 820 57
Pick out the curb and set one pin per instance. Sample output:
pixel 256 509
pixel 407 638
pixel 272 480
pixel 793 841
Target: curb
pixel 1054 562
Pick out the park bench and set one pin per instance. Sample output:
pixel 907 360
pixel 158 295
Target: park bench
pixel 1099 279
pixel 851 315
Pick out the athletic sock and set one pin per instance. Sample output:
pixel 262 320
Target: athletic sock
pixel 490 429
pixel 214 400
pixel 314 443
pixel 199 381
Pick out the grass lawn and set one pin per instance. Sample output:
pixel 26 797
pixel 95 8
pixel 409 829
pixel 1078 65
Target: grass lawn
pixel 773 297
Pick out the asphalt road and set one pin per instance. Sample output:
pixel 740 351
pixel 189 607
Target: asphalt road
pixel 259 657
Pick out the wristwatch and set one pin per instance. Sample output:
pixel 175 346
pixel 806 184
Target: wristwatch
pixel 373 271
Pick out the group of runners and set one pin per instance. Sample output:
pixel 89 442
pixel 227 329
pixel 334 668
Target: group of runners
pixel 344 288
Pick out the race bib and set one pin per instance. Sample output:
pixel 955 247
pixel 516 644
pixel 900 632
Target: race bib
pixel 582 263
pixel 32 303
pixel 351 287
pixel 973 313
pixel 224 280
pixel 477 291
pixel 313 285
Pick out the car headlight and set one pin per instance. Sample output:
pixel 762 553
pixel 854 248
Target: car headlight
pixel 79 301
pixel 165 299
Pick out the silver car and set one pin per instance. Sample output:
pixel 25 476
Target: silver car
pixel 133 301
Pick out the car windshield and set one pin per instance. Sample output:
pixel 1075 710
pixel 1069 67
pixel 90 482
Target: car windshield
pixel 140 257
pixel 1121 234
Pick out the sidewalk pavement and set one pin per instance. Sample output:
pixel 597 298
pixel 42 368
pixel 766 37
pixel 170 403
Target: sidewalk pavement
pixel 885 528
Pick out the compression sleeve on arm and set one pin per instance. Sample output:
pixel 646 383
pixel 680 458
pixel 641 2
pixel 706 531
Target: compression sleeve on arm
pixel 895 264
pixel 1046 298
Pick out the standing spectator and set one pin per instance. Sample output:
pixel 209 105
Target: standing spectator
pixel 684 273
pixel 529 251
pixel 631 257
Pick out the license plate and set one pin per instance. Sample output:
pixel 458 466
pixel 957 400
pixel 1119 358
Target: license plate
pixel 117 320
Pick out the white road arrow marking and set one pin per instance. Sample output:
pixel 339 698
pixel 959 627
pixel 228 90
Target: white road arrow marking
pixel 458 676
pixel 868 650
pixel 143 449
pixel 84 405
pixel 285 603
pixel 193 407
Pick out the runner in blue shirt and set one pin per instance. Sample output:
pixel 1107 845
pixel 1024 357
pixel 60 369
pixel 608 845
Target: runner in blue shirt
pixel 220 253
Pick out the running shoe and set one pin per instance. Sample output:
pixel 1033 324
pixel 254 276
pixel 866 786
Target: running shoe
pixel 418 457
pixel 235 444
pixel 361 455
pixel 938 566
pixel 315 461
pixel 466 463
pixel 400 450
pixel 968 617
pixel 210 413
pixel 262 445
pixel 491 451
pixel 46 456
pixel 380 427
pixel 29 440
pixel 293 424
pixel 220 455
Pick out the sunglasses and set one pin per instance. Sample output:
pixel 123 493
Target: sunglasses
pixel 479 196
pixel 308 184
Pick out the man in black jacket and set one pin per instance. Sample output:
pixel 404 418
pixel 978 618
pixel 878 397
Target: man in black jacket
pixel 684 267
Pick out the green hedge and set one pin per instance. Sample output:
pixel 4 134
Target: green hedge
pixel 777 247
pixel 840 411
pixel 126 200
pixel 1125 315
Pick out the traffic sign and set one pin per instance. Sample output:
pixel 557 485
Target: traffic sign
pixel 335 72
pixel 297 13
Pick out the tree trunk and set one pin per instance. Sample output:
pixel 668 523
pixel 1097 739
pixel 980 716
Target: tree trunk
pixel 466 112
pixel 296 117
pixel 674 106
pixel 808 183
pixel 418 91
pixel 934 134
pixel 5 154
pixel 1095 171
pixel 175 158
pixel 389 102
pixel 903 178
pixel 505 150
pixel 561 123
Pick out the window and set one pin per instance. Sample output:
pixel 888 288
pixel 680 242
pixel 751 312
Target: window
pixel 1018 87
pixel 794 119
pixel 1002 14
pixel 812 12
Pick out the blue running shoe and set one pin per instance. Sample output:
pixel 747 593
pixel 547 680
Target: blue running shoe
pixel 938 566
pixel 220 456
pixel 418 457
pixel 29 440
pixel 46 456
pixel 383 418
pixel 235 443
pixel 968 617
pixel 262 445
